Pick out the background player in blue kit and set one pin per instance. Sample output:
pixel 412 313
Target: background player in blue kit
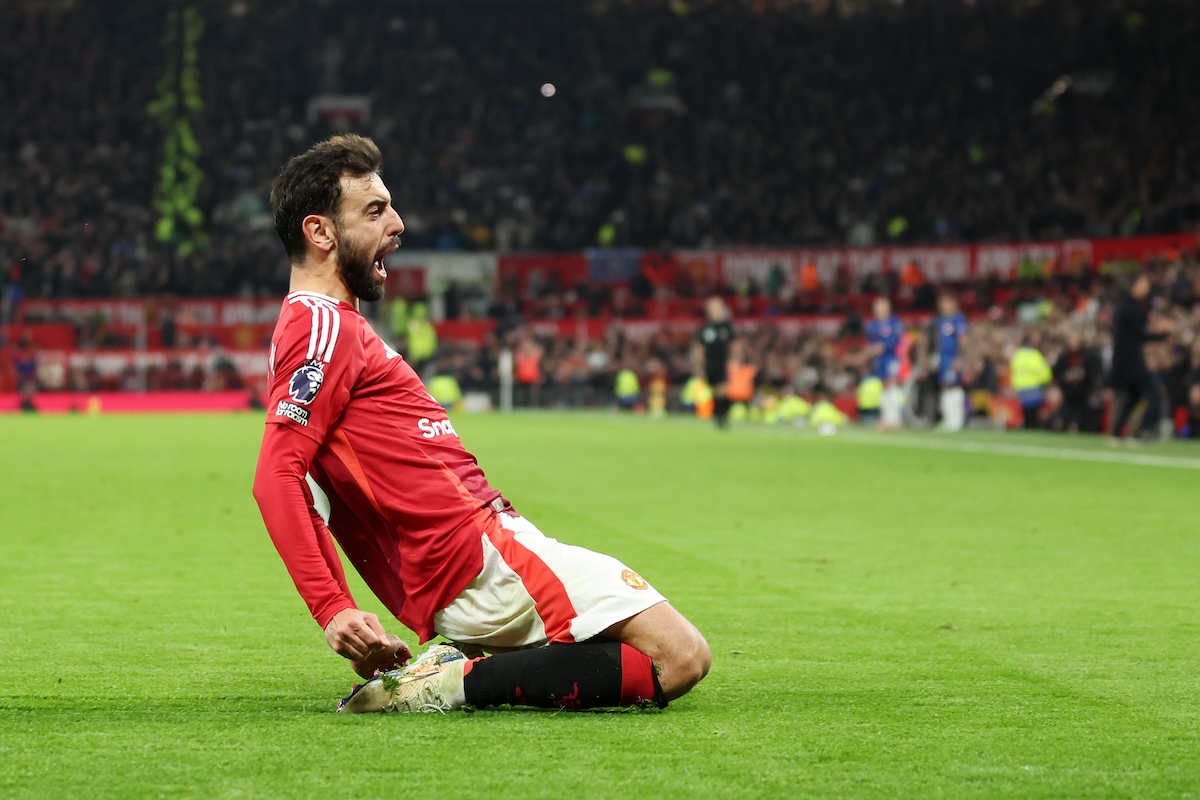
pixel 950 326
pixel 883 338
pixel 885 332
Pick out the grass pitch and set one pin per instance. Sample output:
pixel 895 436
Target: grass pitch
pixel 890 618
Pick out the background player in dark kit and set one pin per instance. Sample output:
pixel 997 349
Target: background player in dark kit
pixel 1130 377
pixel 713 343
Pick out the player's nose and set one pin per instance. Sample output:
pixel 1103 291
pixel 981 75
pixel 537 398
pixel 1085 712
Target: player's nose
pixel 396 225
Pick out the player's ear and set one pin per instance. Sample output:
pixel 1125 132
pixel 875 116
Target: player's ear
pixel 320 232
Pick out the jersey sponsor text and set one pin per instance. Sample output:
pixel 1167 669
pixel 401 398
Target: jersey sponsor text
pixel 430 429
pixel 292 411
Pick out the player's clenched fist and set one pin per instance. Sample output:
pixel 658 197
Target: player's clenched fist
pixel 353 634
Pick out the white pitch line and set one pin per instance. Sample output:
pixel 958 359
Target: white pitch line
pixel 1027 451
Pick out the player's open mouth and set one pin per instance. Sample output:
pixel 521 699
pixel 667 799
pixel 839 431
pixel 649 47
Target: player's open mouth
pixel 392 247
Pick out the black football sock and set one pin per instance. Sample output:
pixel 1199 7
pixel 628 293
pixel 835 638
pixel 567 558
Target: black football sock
pixel 585 675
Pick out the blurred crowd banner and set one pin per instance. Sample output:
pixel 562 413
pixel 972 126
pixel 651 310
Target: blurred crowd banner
pixel 131 402
pixel 152 327
pixel 236 324
pixel 135 370
pixel 413 273
pixel 731 267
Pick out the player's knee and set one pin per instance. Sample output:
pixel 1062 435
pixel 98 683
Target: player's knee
pixel 689 662
pixel 696 662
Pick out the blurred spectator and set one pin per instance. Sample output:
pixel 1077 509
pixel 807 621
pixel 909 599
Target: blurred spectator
pixel 25 369
pixel 1130 377
pixel 1077 375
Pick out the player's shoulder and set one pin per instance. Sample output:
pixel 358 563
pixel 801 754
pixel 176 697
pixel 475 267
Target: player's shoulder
pixel 317 324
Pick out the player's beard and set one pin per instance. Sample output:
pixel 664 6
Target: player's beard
pixel 356 263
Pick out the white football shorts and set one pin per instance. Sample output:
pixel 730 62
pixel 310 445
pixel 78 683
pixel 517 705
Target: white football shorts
pixel 534 589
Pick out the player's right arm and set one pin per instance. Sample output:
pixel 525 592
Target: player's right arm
pixel 306 547
pixel 297 532
pixel 311 378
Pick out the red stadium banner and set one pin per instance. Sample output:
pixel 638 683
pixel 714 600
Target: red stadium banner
pixel 48 336
pixel 945 263
pixel 1143 248
pixel 405 281
pixel 939 263
pixel 739 266
pixel 130 402
pixel 536 270
pixel 212 312
pixel 470 330
pixel 1004 260
pixel 128 312
pixel 700 268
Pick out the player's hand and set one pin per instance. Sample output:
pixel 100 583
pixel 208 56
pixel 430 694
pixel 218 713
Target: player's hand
pixel 353 633
pixel 392 655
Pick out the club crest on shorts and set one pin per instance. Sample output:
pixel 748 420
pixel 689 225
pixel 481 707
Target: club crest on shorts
pixel 306 382
pixel 633 580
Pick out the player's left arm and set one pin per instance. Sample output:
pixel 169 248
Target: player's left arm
pixel 697 354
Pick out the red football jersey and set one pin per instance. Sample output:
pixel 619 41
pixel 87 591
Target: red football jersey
pixel 350 426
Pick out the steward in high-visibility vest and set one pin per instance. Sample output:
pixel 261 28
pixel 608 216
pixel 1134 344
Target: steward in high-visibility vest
pixel 826 413
pixel 445 390
pixel 627 389
pixel 422 337
pixel 870 398
pixel 793 407
pixel 399 317
pixel 1029 375
pixel 697 395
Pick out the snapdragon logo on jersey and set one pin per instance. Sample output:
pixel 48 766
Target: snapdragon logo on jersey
pixel 303 387
pixel 430 429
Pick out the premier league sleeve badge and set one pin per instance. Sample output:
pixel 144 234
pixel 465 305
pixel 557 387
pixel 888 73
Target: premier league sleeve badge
pixel 306 382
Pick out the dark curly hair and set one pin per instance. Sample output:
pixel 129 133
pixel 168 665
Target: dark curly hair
pixel 310 183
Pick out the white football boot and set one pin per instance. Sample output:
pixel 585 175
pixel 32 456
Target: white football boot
pixel 431 683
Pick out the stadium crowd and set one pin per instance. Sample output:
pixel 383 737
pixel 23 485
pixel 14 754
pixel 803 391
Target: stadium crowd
pixel 1068 320
pixel 602 123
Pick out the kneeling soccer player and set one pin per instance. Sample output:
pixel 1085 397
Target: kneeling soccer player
pixel 356 447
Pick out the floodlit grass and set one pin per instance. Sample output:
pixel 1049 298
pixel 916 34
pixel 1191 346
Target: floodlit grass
pixel 887 621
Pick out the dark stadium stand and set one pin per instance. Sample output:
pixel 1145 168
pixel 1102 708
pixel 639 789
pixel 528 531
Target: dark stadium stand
pixel 722 124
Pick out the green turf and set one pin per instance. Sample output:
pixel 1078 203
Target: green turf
pixel 887 621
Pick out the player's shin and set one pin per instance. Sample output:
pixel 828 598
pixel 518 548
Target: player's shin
pixel 573 676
